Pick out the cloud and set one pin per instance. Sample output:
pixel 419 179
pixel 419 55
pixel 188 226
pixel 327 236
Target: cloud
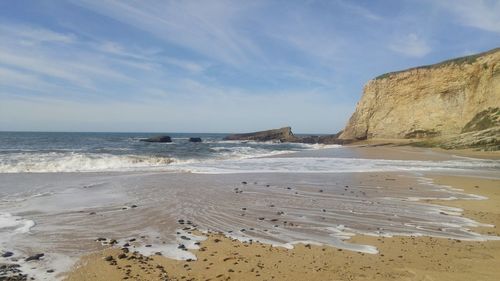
pixel 209 28
pixel 31 35
pixel 359 10
pixel 411 45
pixel 481 14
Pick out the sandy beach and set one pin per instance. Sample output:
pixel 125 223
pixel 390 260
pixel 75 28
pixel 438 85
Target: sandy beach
pixel 398 257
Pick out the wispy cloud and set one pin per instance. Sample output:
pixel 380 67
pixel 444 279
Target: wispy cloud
pixel 209 28
pixel 411 45
pixel 222 59
pixel 31 35
pixel 481 14
pixel 359 10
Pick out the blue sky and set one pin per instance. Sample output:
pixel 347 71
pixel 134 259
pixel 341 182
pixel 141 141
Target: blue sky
pixel 217 66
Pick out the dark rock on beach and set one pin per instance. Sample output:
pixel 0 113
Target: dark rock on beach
pixel 7 254
pixel 35 257
pixel 158 139
pixel 195 140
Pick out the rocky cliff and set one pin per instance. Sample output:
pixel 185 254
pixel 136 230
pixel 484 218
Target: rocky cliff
pixel 437 101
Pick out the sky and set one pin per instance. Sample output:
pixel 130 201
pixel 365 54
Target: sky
pixel 217 66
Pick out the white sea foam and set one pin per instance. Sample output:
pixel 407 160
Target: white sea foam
pixel 14 224
pixel 11 226
pixel 329 165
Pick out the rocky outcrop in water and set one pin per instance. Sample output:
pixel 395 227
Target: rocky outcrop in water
pixel 283 135
pixel 195 140
pixel 158 139
pixel 454 104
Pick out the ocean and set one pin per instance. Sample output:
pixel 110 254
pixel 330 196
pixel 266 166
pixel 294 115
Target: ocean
pixel 60 192
pixel 86 152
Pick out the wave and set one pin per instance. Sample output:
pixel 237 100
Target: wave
pixel 85 161
pixel 78 162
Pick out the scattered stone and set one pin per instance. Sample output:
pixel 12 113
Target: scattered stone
pixel 195 140
pixel 7 254
pixel 35 257
pixel 109 258
pixel 122 256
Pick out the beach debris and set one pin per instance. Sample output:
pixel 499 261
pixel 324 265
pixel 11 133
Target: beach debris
pixel 243 182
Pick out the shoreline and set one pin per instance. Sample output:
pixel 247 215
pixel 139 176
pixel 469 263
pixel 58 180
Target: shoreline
pixel 399 257
pixel 408 144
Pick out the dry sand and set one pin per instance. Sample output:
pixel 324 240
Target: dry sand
pixel 400 258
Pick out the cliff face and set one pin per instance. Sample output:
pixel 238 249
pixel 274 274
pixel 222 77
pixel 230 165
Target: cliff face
pixel 430 101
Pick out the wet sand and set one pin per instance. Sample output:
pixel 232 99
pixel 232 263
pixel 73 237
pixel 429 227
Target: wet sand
pixel 399 258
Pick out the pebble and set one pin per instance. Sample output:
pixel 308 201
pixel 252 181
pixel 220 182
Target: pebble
pixel 7 254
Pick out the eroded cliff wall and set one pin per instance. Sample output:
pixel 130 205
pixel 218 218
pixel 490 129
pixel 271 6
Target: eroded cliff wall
pixel 429 101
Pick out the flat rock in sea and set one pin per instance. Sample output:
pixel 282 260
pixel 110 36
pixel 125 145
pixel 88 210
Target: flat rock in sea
pixel 195 140
pixel 283 135
pixel 158 139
